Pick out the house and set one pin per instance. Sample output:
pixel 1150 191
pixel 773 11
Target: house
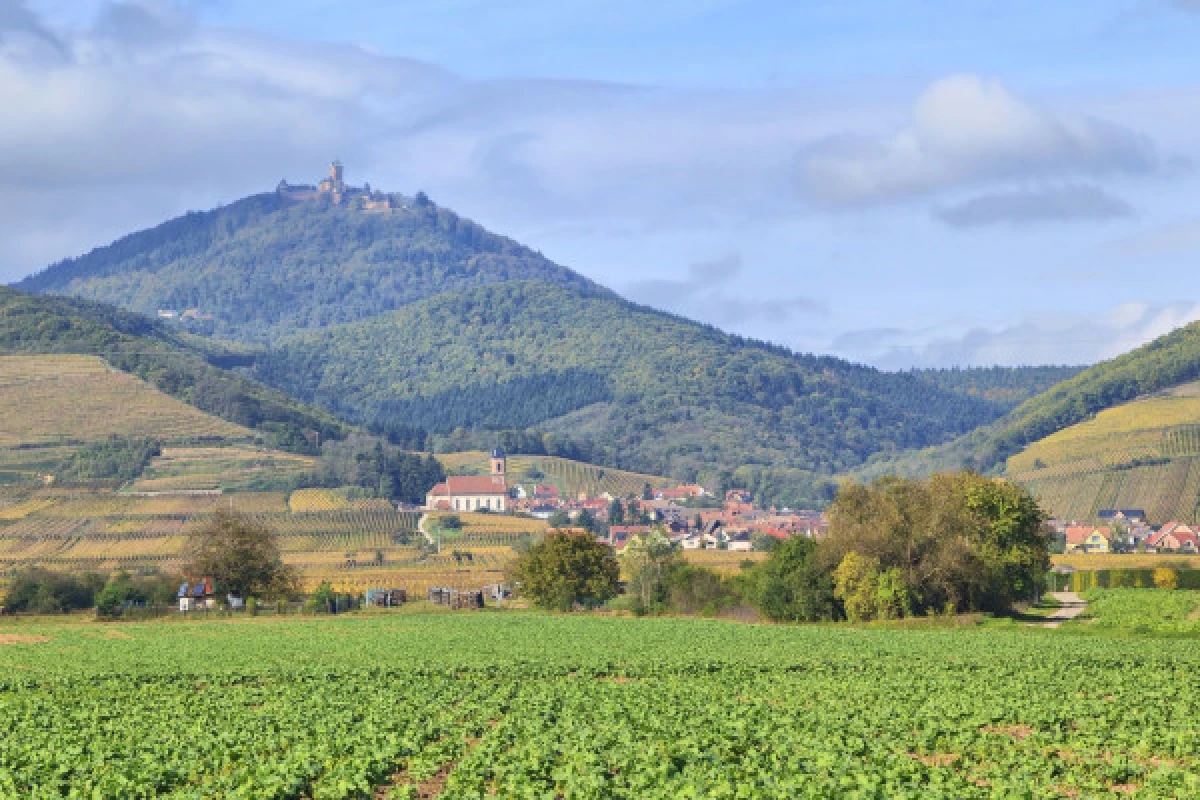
pixel 473 492
pixel 1174 537
pixel 1124 514
pixel 198 596
pixel 740 541
pixel 1087 539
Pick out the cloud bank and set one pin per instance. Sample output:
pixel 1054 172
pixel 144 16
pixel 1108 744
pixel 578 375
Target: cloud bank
pixel 967 131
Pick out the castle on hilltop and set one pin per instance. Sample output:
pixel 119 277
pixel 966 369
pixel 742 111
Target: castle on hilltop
pixel 335 190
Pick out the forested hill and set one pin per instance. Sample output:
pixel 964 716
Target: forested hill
pixel 648 391
pixel 266 264
pixel 178 365
pixel 1006 387
pixel 1166 362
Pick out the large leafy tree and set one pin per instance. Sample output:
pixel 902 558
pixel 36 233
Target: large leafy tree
pixel 568 569
pixel 958 540
pixel 792 585
pixel 240 555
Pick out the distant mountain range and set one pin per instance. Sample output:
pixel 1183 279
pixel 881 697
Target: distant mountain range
pixel 411 316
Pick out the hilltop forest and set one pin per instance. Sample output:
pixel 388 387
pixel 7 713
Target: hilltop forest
pixel 422 325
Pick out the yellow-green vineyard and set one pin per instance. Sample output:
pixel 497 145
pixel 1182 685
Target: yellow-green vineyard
pixel 1144 454
pixel 572 478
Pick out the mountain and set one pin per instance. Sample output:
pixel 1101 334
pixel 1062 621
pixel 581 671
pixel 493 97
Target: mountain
pixel 271 263
pixel 392 312
pixel 181 366
pixel 649 391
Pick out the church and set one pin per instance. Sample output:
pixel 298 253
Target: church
pixel 473 492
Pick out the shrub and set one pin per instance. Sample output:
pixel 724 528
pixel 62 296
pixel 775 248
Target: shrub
pixel 1166 578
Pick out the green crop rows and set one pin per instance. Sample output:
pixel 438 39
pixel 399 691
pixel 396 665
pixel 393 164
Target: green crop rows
pixel 520 705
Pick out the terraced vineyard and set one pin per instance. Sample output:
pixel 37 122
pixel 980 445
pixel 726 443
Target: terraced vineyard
pixel 104 531
pixel 516 705
pixel 239 468
pixel 52 398
pixel 1144 454
pixel 571 477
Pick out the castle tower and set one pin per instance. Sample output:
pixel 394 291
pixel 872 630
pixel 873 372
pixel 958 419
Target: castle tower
pixel 499 466
pixel 335 176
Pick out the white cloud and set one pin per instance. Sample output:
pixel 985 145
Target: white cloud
pixel 1051 338
pixel 967 131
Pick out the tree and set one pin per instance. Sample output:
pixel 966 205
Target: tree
pixel 792 586
pixel 646 559
pixel 856 584
pixel 568 569
pixel 958 539
pixel 240 555
pixel 616 512
pixel 1166 578
pixel 587 521
pixel 560 519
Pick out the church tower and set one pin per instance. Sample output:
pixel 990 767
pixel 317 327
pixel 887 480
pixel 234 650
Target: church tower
pixel 499 466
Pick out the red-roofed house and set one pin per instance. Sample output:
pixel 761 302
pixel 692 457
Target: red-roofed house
pixel 1173 537
pixel 473 492
pixel 1087 539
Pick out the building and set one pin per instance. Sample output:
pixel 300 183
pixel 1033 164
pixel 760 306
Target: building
pixel 1086 539
pixel 473 492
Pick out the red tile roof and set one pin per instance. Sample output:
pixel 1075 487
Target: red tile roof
pixel 470 485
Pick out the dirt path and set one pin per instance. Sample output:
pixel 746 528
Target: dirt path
pixel 1072 606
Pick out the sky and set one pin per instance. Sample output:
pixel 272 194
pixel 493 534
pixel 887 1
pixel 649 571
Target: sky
pixel 901 183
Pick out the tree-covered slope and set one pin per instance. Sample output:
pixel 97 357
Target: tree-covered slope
pixel 649 391
pixel 266 264
pixel 1005 387
pixel 179 365
pixel 1166 362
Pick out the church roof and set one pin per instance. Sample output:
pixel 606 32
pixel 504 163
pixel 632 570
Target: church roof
pixel 470 485
pixel 498 453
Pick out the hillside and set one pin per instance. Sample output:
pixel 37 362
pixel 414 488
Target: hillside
pixel 649 392
pixel 1143 454
pixel 413 320
pixel 265 264
pixel 168 362
pixel 1165 363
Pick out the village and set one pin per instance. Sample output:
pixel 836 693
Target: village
pixel 694 517
pixel 1125 531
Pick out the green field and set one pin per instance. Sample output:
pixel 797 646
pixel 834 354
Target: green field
pixel 524 705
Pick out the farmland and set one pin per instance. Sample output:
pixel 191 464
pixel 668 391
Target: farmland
pixel 527 705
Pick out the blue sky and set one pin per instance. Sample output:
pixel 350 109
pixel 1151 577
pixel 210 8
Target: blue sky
pixel 900 183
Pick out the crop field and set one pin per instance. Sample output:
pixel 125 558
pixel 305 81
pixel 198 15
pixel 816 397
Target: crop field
pixel 48 398
pixel 522 705
pixel 1143 610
